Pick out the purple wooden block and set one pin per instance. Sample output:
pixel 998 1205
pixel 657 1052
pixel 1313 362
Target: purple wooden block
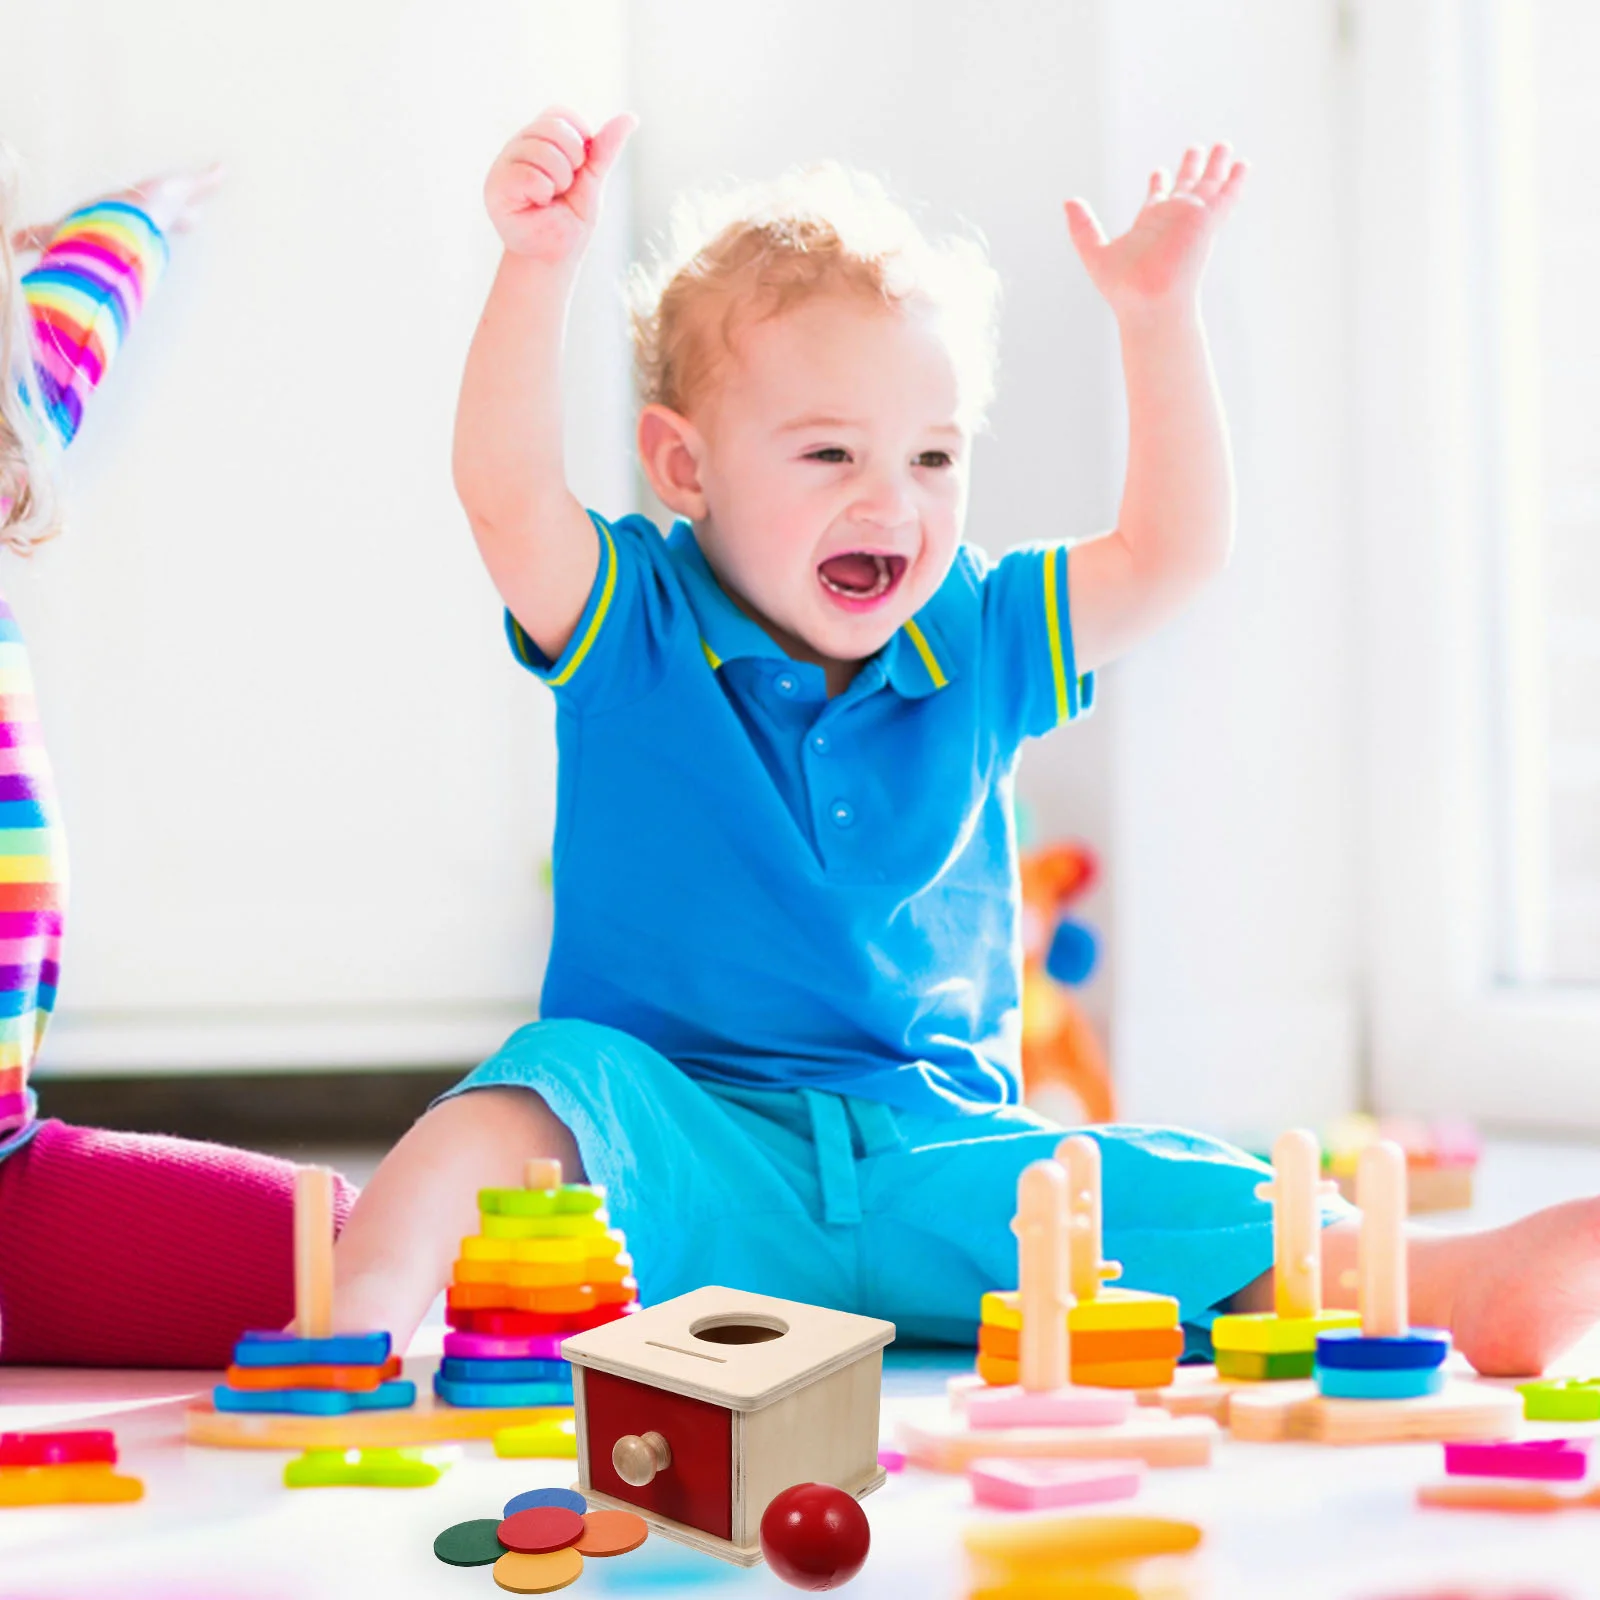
pixel 491 1347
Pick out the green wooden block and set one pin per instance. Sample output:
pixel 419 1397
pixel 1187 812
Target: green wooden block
pixel 1561 1400
pixel 1266 1366
pixel 362 1469
pixel 570 1200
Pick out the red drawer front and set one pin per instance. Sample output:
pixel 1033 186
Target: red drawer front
pixel 697 1489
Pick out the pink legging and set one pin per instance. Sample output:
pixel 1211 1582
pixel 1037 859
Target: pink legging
pixel 135 1250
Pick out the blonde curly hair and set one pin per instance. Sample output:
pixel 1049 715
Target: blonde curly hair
pixel 29 511
pixel 745 254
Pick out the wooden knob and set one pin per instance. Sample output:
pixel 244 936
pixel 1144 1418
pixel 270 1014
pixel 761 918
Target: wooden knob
pixel 638 1457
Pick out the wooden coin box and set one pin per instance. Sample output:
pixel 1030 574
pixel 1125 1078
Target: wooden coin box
pixel 697 1412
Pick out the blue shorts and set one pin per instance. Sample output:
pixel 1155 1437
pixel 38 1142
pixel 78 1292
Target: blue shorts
pixel 853 1204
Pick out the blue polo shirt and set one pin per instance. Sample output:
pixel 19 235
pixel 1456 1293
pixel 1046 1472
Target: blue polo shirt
pixel 779 890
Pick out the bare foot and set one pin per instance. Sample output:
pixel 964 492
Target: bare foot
pixel 1525 1292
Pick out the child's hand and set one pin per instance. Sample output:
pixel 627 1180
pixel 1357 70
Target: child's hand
pixel 543 192
pixel 172 201
pixel 1160 258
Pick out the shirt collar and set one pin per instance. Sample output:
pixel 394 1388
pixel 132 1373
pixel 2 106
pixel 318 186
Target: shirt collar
pixel 915 661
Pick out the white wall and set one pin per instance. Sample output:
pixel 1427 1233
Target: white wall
pixel 308 790
pixel 1237 1002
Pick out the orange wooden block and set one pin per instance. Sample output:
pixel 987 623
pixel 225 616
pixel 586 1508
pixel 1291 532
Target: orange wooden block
pixel 483 1297
pixel 1124 1374
pixel 997 1370
pixel 1095 1347
pixel 1003 1343
pixel 350 1380
pixel 620 1293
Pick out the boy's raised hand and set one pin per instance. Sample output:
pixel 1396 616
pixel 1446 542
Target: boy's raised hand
pixel 543 191
pixel 1160 258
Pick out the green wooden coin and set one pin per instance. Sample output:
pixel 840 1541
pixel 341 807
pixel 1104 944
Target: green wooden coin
pixel 470 1544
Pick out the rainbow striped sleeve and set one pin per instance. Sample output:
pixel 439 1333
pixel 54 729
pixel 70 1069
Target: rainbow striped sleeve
pixel 33 874
pixel 85 291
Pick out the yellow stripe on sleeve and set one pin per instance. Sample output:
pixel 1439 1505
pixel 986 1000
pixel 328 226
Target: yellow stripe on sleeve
pixel 928 659
pixel 711 655
pixel 1052 622
pixel 599 612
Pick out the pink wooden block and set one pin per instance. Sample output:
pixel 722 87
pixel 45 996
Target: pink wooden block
pixel 1034 1485
pixel 892 1460
pixel 1014 1407
pixel 1549 1460
pixel 493 1347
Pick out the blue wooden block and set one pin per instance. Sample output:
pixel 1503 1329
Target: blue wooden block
pixel 501 1394
pixel 462 1369
pixel 1350 1349
pixel 393 1396
pixel 290 1350
pixel 1379 1383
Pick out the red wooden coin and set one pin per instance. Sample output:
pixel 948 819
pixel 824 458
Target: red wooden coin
pixel 57 1449
pixel 611 1533
pixel 540 1529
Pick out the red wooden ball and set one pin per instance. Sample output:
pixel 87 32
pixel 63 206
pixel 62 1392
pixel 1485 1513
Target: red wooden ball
pixel 815 1536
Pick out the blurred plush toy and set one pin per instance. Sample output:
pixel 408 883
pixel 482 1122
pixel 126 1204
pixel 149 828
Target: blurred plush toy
pixel 1064 1071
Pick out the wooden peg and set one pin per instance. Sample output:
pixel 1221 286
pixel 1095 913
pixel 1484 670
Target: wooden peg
pixel 1296 1244
pixel 1041 1276
pixel 1381 1255
pixel 543 1172
pixel 1087 1269
pixel 313 1252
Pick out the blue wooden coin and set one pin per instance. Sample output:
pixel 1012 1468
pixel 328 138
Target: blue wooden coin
pixel 1351 1349
pixel 529 1499
pixel 290 1350
pixel 394 1396
pixel 501 1394
pixel 1379 1383
pixel 464 1369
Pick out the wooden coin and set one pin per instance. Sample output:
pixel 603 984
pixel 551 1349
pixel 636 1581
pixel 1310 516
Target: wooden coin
pixel 611 1533
pixel 529 1498
pixel 538 1574
pixel 470 1544
pixel 539 1529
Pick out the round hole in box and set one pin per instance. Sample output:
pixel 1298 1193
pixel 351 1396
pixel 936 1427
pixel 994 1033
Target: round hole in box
pixel 747 1328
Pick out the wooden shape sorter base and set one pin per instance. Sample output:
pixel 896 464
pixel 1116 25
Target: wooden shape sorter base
pixel 427 1422
pixel 1149 1435
pixel 1461 1410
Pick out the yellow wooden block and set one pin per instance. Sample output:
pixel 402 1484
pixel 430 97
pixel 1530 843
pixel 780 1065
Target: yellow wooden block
pixel 1047 1543
pixel 1160 1578
pixel 1266 1333
pixel 76 1484
pixel 544 1228
pixel 593 1247
pixel 429 1421
pixel 540 1440
pixel 1112 1310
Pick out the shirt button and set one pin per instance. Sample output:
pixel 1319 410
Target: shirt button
pixel 819 743
pixel 787 683
pixel 842 814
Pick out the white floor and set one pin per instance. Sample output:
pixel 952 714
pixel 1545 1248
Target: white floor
pixel 1283 1522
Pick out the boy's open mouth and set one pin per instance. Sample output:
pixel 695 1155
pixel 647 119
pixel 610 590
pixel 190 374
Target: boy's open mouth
pixel 861 577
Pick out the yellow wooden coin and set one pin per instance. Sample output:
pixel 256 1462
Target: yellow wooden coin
pixel 538 1574
pixel 1265 1333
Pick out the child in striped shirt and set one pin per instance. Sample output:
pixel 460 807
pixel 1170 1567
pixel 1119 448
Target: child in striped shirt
pixel 115 1249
